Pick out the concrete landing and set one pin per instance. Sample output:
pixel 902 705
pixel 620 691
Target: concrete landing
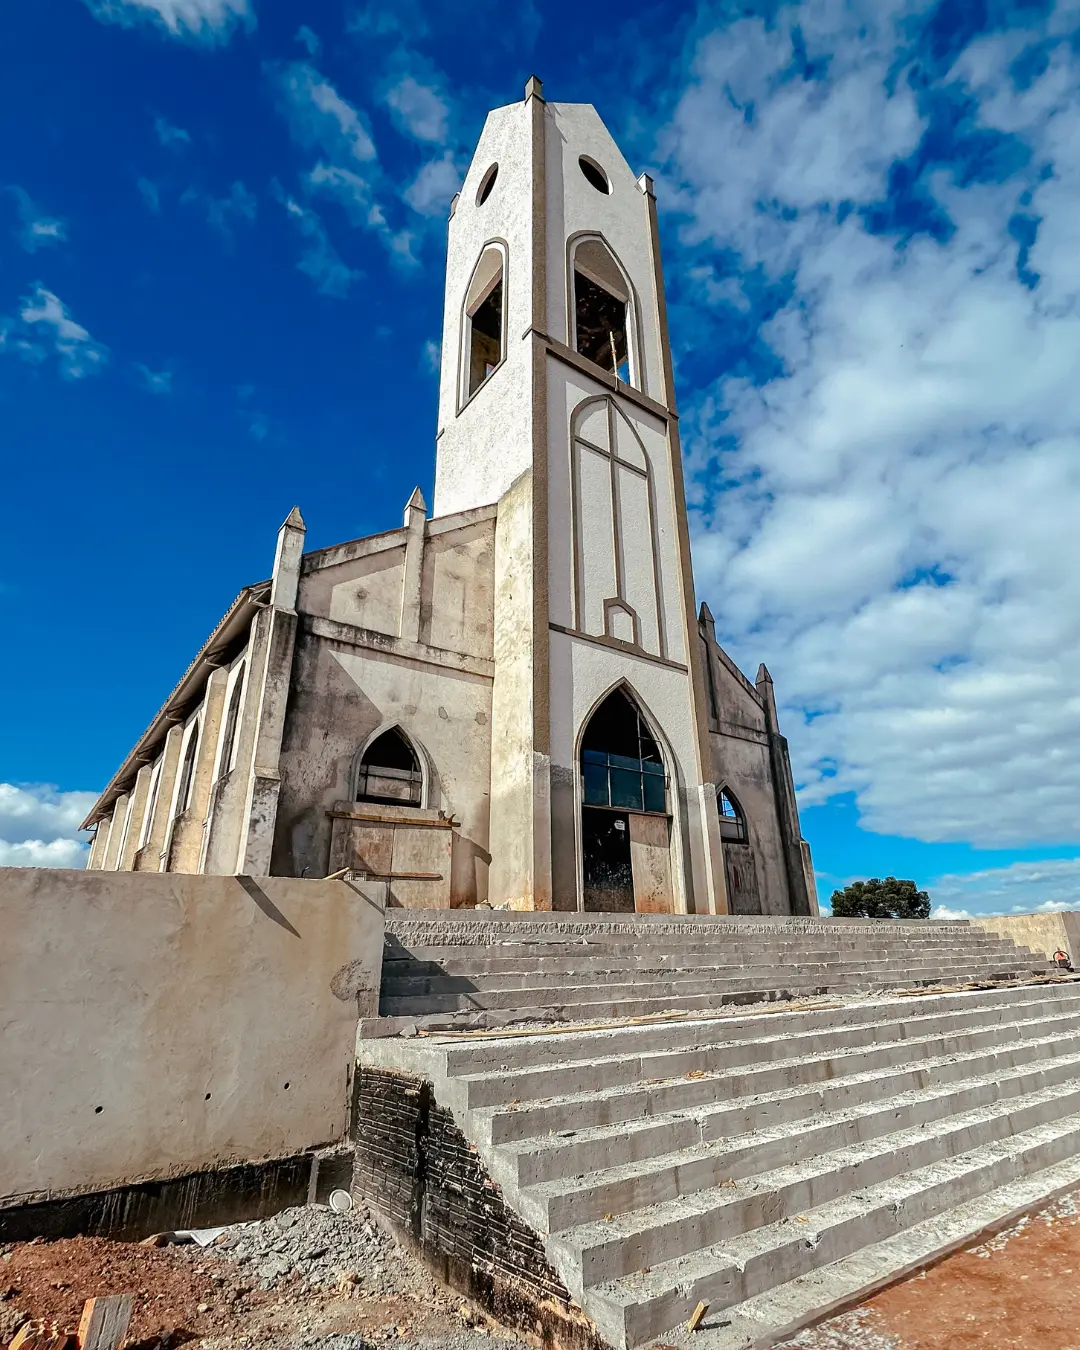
pixel 463 968
pixel 774 1163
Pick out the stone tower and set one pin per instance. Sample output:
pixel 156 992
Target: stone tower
pixel 557 403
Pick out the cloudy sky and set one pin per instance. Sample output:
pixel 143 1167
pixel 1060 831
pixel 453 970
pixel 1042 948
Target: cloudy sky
pixel 221 245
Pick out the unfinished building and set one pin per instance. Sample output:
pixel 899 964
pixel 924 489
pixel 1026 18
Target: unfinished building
pixel 512 702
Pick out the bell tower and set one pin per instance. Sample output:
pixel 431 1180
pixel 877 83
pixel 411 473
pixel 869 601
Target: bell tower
pixel 557 402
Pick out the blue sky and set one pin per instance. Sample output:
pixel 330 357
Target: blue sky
pixel 221 249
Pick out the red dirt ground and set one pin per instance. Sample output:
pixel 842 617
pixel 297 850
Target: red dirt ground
pixel 1016 1292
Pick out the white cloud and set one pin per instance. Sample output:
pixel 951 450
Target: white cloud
pixel 434 186
pixel 319 260
pixel 238 207
pixel 155 381
pixel 172 137
pixel 207 21
pixel 308 39
pixel 890 522
pixel 36 230
pixel 1019 888
pixel 419 109
pixel 319 118
pixel 431 356
pixel 39 825
pixel 42 327
pixel 148 190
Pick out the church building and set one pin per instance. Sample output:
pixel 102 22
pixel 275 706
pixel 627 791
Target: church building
pixel 510 702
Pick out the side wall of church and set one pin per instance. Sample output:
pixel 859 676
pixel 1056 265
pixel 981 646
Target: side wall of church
pixel 742 763
pixel 355 675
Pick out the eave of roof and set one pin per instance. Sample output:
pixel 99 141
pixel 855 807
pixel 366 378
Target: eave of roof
pixel 233 624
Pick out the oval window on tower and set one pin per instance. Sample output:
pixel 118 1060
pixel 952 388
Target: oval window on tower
pixel 594 174
pixel 486 184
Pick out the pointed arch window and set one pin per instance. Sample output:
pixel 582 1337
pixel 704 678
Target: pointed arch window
pixel 228 741
pixel 732 819
pixel 484 335
pixel 390 772
pixel 187 772
pixel 602 310
pixel 621 764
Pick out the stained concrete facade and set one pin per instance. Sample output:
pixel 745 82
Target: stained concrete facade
pixel 552 586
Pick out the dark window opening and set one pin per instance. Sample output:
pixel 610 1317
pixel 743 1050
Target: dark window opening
pixel 732 820
pixel 621 765
pixel 600 320
pixel 486 184
pixel 187 774
pixel 390 772
pixel 485 345
pixel 594 174
pixel 229 741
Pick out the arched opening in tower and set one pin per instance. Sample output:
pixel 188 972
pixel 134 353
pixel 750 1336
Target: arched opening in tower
pixel 625 825
pixel 601 303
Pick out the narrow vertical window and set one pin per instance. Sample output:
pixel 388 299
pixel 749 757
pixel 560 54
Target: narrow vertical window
pixel 601 309
pixel 187 773
pixel 228 743
pixel 151 802
pixel 484 337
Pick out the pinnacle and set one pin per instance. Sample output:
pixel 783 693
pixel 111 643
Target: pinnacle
pixel 294 520
pixel 705 614
pixel 417 500
pixel 763 676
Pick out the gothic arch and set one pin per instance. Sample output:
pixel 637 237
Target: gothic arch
pixel 733 826
pixel 589 252
pixel 616 589
pixel 419 754
pixel 483 318
pixel 628 816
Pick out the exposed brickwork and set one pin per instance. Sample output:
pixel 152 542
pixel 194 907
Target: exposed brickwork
pixel 419 1170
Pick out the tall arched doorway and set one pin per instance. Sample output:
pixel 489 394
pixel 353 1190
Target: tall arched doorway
pixel 625 822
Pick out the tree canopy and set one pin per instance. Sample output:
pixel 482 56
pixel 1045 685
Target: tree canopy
pixel 877 899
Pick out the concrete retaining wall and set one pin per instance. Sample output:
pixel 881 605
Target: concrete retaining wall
pixel 156 1025
pixel 1044 933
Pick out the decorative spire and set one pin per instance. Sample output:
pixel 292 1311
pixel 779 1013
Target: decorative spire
pixel 763 676
pixel 294 520
pixel 417 499
pixel 705 614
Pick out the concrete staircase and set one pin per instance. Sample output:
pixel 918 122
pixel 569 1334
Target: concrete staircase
pixel 774 1164
pixel 458 967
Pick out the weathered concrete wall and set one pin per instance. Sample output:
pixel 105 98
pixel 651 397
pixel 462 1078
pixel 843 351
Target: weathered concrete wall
pixel 342 694
pixel 1044 933
pixel 155 1025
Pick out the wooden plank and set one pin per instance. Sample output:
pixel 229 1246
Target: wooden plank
pixel 104 1322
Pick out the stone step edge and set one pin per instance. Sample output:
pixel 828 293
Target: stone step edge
pixel 550 1147
pixel 578 1010
pixel 781 1313
pixel 542 1202
pixel 837 1055
pixel 593 1240
pixel 675 1285
pixel 410 985
pixel 466 1028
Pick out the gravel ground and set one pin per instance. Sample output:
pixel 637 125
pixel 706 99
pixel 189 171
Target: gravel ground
pixel 306 1279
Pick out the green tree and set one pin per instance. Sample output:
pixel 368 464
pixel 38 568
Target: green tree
pixel 877 899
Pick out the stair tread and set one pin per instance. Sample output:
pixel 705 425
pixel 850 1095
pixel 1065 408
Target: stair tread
pixel 738 1249
pixel 729 1145
pixel 683 1208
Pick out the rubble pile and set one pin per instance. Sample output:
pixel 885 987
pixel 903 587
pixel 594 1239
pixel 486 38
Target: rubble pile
pixel 317 1247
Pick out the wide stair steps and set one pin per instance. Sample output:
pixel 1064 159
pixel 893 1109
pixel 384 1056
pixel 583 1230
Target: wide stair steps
pixel 771 1163
pixel 493 969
